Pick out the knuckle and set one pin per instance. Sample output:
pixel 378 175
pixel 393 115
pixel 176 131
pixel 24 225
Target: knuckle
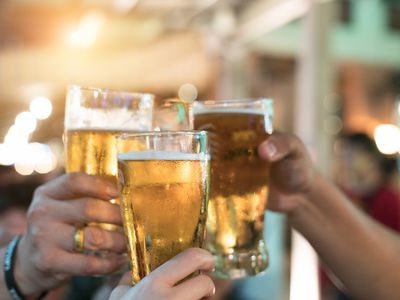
pixel 43 262
pixel 195 253
pixel 38 212
pixel 95 237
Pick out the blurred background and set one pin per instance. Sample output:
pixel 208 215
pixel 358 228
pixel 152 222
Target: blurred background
pixel 331 66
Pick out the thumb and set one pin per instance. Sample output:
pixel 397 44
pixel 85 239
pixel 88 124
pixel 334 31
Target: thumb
pixel 280 146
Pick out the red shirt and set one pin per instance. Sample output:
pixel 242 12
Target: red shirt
pixel 384 206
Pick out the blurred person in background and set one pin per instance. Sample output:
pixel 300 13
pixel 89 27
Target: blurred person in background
pixel 364 174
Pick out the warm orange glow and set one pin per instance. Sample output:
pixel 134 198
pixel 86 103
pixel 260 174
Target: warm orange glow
pixel 24 169
pixel 6 155
pixel 86 33
pixel 26 121
pixel 124 6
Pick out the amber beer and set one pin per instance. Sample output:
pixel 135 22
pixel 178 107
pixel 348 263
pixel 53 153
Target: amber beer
pixel 92 151
pixel 238 187
pixel 93 119
pixel 164 198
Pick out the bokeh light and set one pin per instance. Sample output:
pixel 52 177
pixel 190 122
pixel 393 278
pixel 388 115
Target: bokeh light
pixel 387 138
pixel 26 121
pixel 43 157
pixel 333 125
pixel 86 33
pixel 24 163
pixel 29 158
pixel 16 135
pixel 16 149
pixel 23 169
pixel 124 6
pixel 188 92
pixel 7 156
pixel 41 108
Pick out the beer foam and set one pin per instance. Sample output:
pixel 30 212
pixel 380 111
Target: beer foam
pixel 231 110
pixel 111 119
pixel 162 155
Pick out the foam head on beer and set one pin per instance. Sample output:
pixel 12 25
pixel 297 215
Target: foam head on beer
pixel 237 107
pixel 116 119
pixel 162 155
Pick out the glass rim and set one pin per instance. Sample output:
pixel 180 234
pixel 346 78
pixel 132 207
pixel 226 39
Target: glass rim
pixel 237 101
pixel 87 88
pixel 172 133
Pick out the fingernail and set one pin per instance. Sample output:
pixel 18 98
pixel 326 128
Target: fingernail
pixel 270 149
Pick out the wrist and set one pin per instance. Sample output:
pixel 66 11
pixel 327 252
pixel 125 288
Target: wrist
pixel 307 207
pixel 28 287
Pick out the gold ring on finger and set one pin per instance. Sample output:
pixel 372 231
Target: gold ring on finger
pixel 79 240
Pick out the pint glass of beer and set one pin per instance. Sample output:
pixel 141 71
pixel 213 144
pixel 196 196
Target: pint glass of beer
pixel 93 118
pixel 163 179
pixel 239 183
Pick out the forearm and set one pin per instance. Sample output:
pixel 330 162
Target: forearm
pixel 360 252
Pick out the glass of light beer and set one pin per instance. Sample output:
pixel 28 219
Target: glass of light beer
pixel 163 179
pixel 93 119
pixel 239 183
